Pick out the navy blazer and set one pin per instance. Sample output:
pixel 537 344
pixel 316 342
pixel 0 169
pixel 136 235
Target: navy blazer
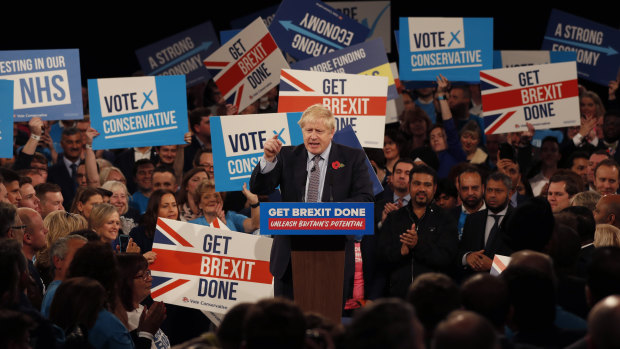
pixel 473 236
pixel 350 182
pixel 59 174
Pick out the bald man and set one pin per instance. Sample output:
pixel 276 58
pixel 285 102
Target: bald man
pixel 34 240
pixel 603 323
pixel 607 210
pixel 539 321
pixel 532 259
pixel 465 329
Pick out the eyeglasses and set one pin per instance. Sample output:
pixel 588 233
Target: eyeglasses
pixel 18 227
pixel 145 276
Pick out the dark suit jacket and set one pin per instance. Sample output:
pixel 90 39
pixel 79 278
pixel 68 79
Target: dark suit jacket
pixel 126 161
pixel 349 183
pixel 59 174
pixel 473 235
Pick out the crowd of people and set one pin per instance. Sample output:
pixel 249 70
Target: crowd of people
pixel 77 228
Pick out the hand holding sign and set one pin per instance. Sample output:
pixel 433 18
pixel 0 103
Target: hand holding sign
pixel 443 85
pixel 91 133
pixel 36 126
pixel 613 87
pixel 272 148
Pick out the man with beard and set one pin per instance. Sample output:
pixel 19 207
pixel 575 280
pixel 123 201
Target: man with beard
pixel 417 238
pixel 470 192
pixel 484 230
pixel 607 210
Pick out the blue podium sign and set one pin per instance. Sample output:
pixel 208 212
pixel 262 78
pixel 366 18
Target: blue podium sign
pixel 319 218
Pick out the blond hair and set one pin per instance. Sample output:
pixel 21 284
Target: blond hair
pixel 59 224
pixel 114 186
pixel 100 214
pixel 316 113
pixel 202 188
pixel 104 173
pixel 606 235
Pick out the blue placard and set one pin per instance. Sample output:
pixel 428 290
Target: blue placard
pixel 374 15
pixel 367 58
pixel 138 112
pixel 346 136
pixel 237 143
pixel 181 54
pixel 266 14
pixel 458 48
pixel 308 28
pixel 226 35
pixel 47 83
pixel 317 218
pixel 596 45
pixel 510 59
pixel 6 119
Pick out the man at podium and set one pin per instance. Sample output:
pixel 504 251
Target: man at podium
pixel 317 171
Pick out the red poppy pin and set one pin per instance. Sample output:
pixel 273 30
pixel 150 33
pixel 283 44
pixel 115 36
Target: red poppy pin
pixel 336 165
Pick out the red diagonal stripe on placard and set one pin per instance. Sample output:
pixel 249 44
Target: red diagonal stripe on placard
pixel 173 233
pixel 499 123
pixel 513 98
pixel 373 106
pixel 212 265
pixel 299 84
pixel 167 288
pixel 231 77
pixel 238 98
pixel 494 79
pixel 499 263
pixel 215 64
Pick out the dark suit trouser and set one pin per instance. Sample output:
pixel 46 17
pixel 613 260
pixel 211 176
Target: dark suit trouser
pixel 284 287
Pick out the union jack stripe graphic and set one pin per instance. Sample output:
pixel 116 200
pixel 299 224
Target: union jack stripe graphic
pixel 215 68
pixel 289 83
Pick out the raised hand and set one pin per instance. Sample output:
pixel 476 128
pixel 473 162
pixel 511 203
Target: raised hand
pixel 272 148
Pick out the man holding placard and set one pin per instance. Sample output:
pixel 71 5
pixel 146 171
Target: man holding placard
pixel 318 171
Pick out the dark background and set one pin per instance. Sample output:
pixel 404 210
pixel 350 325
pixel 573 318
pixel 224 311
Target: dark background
pixel 107 33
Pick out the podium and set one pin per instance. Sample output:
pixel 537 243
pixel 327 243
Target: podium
pixel 318 237
pixel 318 273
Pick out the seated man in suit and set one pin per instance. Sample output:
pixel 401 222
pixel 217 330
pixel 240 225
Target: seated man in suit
pixel 483 230
pixel 317 171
